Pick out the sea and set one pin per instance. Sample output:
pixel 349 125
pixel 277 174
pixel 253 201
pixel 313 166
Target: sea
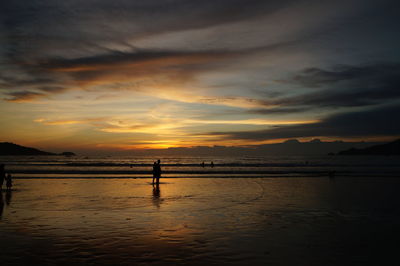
pixel 214 167
pixel 278 210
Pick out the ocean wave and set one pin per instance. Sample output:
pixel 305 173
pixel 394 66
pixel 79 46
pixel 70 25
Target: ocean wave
pixel 223 165
pixel 205 172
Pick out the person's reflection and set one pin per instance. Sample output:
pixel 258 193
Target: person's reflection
pixel 156 195
pixel 8 197
pixel 1 204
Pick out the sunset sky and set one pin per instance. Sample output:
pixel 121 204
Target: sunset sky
pixel 113 74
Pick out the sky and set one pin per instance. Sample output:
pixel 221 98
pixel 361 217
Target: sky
pixel 129 74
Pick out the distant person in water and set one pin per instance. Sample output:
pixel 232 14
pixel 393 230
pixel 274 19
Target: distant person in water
pixel 9 182
pixel 202 164
pixel 157 171
pixel 212 164
pixel 2 175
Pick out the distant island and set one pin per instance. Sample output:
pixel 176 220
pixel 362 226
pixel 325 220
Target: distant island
pixel 288 147
pixel 391 148
pixel 68 153
pixel 7 148
pixel 291 147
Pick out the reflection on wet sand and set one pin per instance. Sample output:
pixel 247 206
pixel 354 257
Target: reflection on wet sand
pixel 8 196
pixel 200 221
pixel 156 195
pixel 1 204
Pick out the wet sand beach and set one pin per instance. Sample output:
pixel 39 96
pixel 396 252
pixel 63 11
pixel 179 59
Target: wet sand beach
pixel 198 221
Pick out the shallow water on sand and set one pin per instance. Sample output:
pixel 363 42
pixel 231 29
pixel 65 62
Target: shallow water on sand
pixel 257 221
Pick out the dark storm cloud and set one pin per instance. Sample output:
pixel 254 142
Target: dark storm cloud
pixel 164 14
pixel 139 65
pixel 57 43
pixel 347 86
pixel 41 37
pixel 6 81
pixel 176 65
pixel 277 110
pixel 29 87
pixel 22 96
pixel 31 25
pixel 118 58
pixel 29 95
pixel 376 122
pixel 315 77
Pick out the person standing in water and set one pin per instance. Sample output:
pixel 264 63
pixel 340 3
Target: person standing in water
pixel 157 171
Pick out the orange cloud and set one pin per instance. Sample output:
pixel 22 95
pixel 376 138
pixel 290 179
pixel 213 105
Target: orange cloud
pixel 68 122
pixel 168 75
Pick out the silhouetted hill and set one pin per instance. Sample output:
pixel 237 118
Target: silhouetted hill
pixel 289 147
pixel 391 148
pixel 7 148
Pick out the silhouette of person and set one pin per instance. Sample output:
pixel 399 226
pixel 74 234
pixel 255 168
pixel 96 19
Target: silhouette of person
pixel 158 171
pixel 212 164
pixel 2 175
pixel 202 164
pixel 9 182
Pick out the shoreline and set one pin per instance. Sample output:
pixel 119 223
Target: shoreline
pixel 382 175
